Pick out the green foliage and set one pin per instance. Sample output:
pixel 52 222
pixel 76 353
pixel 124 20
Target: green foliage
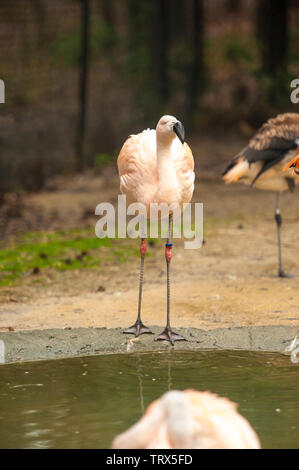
pixel 141 60
pixel 235 52
pixel 294 50
pixel 67 48
pixel 103 159
pixel 103 37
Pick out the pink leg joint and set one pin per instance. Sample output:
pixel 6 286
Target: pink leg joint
pixel 168 252
pixel 143 247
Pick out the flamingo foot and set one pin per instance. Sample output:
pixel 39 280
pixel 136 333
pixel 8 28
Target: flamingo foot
pixel 282 274
pixel 137 329
pixel 169 335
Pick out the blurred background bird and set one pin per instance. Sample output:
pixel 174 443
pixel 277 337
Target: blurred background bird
pixel 261 162
pixel 189 420
pixel 156 166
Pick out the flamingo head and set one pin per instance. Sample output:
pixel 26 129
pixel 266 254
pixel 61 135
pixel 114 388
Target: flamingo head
pixel 169 127
pixel 293 164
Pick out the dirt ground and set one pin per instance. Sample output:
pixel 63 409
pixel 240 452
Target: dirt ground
pixel 231 281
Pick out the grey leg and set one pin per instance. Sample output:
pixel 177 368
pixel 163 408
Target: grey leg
pixel 139 328
pixel 278 219
pixel 168 334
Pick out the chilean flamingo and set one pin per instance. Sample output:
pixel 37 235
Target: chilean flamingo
pixel 189 420
pixel 261 162
pixel 156 166
pixel 293 164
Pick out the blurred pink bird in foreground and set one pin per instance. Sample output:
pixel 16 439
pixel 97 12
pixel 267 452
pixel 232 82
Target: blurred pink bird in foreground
pixel 189 420
pixel 156 166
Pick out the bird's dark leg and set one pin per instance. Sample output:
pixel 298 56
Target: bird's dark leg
pixel 168 334
pixel 139 328
pixel 278 219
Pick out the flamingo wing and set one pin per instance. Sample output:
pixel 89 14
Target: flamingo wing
pixel 277 134
pixel 137 167
pixel 267 148
pixel 184 166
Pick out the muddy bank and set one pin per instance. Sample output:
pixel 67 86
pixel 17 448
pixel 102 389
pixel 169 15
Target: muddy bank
pixel 55 343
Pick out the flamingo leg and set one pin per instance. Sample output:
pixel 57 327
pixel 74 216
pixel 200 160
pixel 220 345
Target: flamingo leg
pixel 278 220
pixel 139 328
pixel 168 334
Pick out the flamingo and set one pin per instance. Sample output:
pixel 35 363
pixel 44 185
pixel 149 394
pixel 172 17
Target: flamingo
pixel 156 166
pixel 261 162
pixel 293 164
pixel 189 419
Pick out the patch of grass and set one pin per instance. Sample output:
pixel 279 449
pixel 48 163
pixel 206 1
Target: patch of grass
pixel 35 252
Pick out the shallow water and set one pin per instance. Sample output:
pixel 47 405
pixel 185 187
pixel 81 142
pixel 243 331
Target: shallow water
pixel 84 402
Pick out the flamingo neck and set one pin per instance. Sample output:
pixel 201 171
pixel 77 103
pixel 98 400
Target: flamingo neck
pixel 166 171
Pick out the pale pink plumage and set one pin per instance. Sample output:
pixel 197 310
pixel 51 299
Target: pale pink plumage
pixel 156 167
pixel 189 419
pixel 143 179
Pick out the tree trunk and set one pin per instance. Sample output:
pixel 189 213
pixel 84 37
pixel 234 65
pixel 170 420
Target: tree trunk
pixel 160 51
pixel 83 83
pixel 196 81
pixel 108 11
pixel 272 30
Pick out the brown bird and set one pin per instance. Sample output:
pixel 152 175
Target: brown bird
pixel 293 164
pixel 189 420
pixel 260 164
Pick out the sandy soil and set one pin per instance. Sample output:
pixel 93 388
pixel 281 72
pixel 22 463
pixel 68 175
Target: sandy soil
pixel 231 281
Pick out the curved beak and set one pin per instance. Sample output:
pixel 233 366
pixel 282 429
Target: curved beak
pixel 178 128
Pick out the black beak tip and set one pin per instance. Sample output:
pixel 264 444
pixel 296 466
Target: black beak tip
pixel 180 131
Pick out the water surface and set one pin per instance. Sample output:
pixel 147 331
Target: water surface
pixel 85 402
